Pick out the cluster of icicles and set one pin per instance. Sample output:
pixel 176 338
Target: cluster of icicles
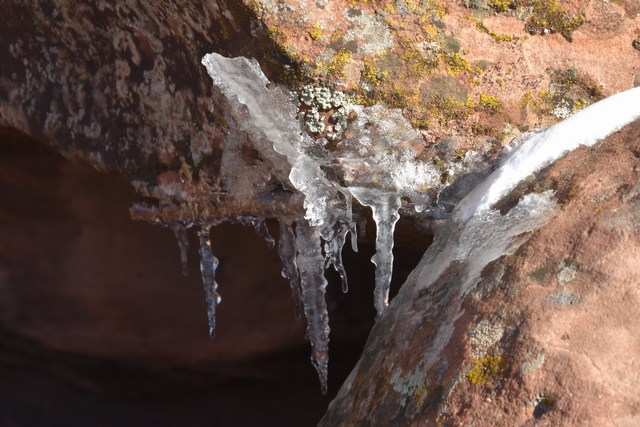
pixel 375 168
pixel 309 245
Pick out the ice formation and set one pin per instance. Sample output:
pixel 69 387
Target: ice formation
pixel 208 266
pixel 373 163
pixel 476 233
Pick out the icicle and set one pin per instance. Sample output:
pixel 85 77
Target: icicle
pixel 385 208
pixel 208 265
pixel 333 252
pixel 263 231
pixel 287 252
pixel 313 285
pixel 385 214
pixel 183 243
pixel 353 236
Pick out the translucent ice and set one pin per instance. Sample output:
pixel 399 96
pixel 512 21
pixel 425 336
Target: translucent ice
pixel 333 250
pixel 385 214
pixel 287 252
pixel 313 285
pixel 208 266
pixel 183 244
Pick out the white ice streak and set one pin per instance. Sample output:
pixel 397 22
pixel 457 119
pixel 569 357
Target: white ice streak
pixel 586 127
pixel 476 234
pixel 208 266
pixel 313 284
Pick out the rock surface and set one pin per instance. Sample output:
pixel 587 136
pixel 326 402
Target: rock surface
pixel 548 335
pixel 122 89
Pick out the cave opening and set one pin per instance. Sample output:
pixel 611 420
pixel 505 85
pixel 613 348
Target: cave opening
pixel 98 322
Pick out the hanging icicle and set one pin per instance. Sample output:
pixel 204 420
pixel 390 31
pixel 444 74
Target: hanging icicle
pixel 260 225
pixel 333 251
pixel 180 232
pixel 313 285
pixel 208 266
pixel 385 209
pixel 287 253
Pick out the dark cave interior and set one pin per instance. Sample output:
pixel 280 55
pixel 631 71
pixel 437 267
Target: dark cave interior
pixel 99 327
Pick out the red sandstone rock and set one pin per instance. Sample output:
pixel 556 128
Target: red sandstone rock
pixel 549 336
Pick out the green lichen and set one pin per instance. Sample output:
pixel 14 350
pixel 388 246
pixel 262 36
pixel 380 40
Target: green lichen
pixel 569 91
pixel 446 110
pixel 418 63
pixel 540 275
pixel 549 16
pixel 487 369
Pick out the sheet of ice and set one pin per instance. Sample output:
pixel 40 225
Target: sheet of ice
pixel 271 113
pixel 476 234
pixel 313 284
pixel 586 127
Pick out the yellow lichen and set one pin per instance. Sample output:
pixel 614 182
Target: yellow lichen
pixel 335 67
pixel 499 38
pixel 316 32
pixel 579 104
pixel 490 103
pixel 549 16
pixel 501 6
pixel 455 63
pixel 335 36
pixel 487 369
pixel 372 74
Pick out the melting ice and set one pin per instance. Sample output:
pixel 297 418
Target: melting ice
pixel 375 165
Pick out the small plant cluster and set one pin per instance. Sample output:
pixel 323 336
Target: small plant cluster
pixel 324 112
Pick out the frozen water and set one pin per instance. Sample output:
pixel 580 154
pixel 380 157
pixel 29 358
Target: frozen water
pixel 313 285
pixel 180 232
pixel 287 253
pixel 261 228
pixel 373 162
pixel 385 213
pixel 208 266
pixel 333 251
pixel 537 150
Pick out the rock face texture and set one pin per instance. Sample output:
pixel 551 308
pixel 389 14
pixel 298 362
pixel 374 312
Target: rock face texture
pixel 121 88
pixel 547 336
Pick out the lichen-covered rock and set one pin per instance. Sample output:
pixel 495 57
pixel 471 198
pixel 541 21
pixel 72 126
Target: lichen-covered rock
pixel 510 50
pixel 548 334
